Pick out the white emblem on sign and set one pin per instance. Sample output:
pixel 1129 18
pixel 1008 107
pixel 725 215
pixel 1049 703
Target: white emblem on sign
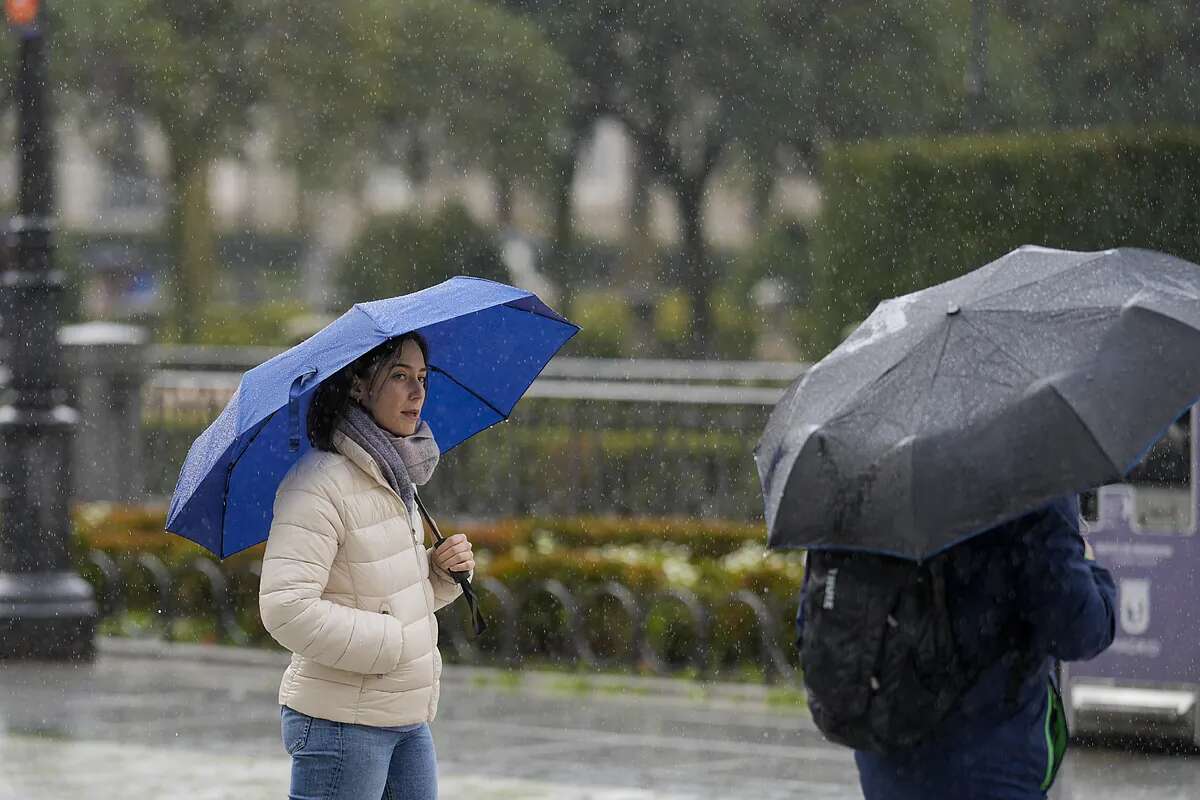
pixel 1135 605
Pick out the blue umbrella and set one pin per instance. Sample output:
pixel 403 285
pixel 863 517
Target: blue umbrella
pixel 487 344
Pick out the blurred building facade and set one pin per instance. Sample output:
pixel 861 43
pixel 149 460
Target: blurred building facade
pixel 117 189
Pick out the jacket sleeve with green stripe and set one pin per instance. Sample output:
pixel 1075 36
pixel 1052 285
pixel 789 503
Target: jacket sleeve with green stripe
pixel 306 532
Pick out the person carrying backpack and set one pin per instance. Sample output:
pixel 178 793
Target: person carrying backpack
pixel 943 675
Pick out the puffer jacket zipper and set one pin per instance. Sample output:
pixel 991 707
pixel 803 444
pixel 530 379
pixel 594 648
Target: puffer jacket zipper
pixel 417 546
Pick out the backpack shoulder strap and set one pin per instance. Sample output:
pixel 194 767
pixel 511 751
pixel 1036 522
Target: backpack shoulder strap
pixel 941 605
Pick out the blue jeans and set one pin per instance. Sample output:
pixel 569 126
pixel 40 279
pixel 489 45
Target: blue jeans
pixel 341 761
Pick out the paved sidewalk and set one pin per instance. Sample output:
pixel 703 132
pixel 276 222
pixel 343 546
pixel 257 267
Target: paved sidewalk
pixel 172 721
pixel 148 721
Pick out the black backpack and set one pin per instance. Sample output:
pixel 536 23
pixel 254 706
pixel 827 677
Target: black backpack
pixel 878 649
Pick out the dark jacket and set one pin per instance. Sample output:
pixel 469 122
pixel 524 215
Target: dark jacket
pixel 1021 596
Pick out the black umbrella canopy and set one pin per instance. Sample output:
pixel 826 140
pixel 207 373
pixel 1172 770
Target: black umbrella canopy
pixel 952 409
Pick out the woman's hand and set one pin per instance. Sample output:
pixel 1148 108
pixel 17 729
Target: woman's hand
pixel 454 555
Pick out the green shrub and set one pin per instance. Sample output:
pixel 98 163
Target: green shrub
pixel 262 325
pixel 736 323
pixel 606 320
pixel 121 529
pixel 781 253
pixel 124 530
pixel 699 538
pixel 734 317
pixel 673 321
pixel 396 255
pixel 903 215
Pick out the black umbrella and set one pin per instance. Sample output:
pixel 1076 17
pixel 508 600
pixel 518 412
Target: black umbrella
pixel 954 408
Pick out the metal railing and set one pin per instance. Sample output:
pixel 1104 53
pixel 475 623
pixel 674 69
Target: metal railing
pixel 592 436
pixel 664 632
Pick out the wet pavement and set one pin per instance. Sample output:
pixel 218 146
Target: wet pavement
pixel 153 721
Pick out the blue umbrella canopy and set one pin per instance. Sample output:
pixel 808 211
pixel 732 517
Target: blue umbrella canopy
pixel 488 342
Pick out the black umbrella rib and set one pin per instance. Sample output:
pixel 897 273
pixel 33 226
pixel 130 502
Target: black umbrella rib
pixel 1059 274
pixel 836 412
pixel 1120 472
pixel 468 390
pixel 1000 349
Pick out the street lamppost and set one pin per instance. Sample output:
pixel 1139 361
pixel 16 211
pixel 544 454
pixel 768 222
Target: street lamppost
pixel 46 609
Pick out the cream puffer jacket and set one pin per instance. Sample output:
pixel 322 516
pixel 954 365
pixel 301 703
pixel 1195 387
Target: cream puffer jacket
pixel 347 586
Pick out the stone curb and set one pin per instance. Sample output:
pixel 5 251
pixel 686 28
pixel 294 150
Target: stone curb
pixel 785 698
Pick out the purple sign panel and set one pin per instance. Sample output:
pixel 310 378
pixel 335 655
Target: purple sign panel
pixel 1157 573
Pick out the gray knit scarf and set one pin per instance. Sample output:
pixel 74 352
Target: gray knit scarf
pixel 405 461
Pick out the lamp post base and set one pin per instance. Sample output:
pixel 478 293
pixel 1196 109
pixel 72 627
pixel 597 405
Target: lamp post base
pixel 47 615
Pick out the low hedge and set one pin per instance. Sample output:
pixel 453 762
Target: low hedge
pixel 711 559
pixel 120 528
pixel 648 569
pixel 902 214
pixel 700 538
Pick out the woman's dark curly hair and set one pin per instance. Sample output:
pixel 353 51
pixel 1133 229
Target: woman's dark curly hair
pixel 333 395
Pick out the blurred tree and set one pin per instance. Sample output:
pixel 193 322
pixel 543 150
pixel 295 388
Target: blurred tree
pixel 413 85
pixel 871 68
pixel 1105 62
pixel 585 36
pixel 690 81
pixel 194 67
pixel 767 80
pixel 387 80
pixel 322 87
pixel 489 77
pixel 395 255
pixel 333 85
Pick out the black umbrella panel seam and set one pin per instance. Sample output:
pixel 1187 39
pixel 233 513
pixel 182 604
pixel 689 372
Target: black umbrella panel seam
pixel 1075 413
pixel 1096 257
pixel 937 367
pixel 837 413
pixel 1172 319
pixel 1016 362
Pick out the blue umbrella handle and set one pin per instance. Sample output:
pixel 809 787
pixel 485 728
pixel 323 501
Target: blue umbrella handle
pixel 477 620
pixel 294 393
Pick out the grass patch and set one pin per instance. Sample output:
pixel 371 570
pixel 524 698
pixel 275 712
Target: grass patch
pixel 787 697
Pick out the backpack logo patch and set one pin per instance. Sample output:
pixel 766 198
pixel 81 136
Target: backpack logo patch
pixel 830 590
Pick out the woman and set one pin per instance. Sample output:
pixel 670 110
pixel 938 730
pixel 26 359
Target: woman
pixel 349 587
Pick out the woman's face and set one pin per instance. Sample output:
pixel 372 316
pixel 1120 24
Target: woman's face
pixel 397 391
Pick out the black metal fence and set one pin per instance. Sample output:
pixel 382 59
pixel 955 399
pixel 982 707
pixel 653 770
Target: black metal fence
pixel 596 627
